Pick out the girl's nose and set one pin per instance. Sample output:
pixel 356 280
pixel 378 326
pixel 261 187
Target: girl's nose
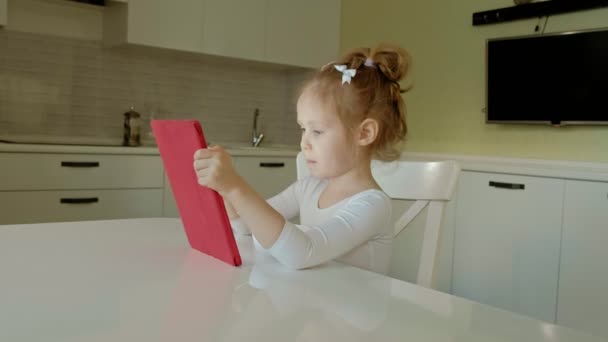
pixel 304 145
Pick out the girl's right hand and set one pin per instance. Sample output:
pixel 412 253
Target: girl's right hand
pixel 213 167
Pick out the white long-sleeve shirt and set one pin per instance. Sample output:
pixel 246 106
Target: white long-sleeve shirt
pixel 356 230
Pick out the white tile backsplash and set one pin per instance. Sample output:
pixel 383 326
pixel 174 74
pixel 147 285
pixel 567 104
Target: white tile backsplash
pixel 55 87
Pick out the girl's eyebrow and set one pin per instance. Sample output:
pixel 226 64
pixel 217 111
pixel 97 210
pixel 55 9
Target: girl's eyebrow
pixel 310 122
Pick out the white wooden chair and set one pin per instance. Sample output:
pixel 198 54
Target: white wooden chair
pixel 430 184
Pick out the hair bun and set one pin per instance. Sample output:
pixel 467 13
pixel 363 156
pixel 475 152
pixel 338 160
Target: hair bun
pixel 355 58
pixel 393 61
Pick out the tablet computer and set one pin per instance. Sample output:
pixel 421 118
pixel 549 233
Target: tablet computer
pixel 201 209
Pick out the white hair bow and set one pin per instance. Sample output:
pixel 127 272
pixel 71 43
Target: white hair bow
pixel 347 74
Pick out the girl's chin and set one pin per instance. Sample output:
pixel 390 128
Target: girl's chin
pixel 315 172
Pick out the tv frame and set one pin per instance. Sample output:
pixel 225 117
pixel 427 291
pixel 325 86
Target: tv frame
pixel 535 122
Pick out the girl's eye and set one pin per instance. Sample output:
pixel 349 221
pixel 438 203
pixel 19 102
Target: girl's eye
pixel 316 132
pixel 302 130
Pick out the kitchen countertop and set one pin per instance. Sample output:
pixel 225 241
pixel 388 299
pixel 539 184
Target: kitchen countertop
pixel 233 149
pixel 138 280
pixel 574 170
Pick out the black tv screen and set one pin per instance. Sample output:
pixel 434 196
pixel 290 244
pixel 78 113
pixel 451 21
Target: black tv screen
pixel 548 79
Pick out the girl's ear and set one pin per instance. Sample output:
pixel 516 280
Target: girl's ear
pixel 368 131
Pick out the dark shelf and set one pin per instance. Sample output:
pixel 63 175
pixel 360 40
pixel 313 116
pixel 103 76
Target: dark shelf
pixel 535 9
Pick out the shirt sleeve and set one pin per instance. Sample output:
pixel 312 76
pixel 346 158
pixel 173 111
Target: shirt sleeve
pixel 286 203
pixel 300 246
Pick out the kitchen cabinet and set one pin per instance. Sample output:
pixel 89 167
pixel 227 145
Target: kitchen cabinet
pixel 174 24
pixel 20 207
pixel 267 175
pixel 583 282
pixel 289 32
pixel 3 12
pixel 303 33
pixel 169 204
pixel 65 171
pixel 235 28
pixel 52 187
pixel 507 241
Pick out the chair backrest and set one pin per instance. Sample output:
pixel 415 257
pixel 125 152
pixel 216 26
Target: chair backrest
pixel 430 184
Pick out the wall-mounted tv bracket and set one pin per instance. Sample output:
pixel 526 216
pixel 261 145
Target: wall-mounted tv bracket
pixel 535 10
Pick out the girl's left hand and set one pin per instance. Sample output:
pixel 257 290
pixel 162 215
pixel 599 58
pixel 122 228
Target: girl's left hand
pixel 213 167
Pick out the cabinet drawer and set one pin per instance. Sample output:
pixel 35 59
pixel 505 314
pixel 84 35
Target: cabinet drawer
pixel 62 206
pixel 267 175
pixel 38 171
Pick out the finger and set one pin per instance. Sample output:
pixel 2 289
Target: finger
pixel 203 153
pixel 216 148
pixel 202 177
pixel 202 173
pixel 208 174
pixel 200 164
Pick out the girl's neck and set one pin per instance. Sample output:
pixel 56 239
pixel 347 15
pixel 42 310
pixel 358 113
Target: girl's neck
pixel 355 180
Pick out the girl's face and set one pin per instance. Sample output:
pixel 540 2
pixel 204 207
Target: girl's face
pixel 327 144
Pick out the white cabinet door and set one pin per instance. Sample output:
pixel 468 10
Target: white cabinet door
pixel 169 204
pixel 3 11
pixel 51 187
pixel 235 28
pixel 267 175
pixel 174 24
pixel 507 241
pixel 583 283
pixel 302 33
pixel 299 33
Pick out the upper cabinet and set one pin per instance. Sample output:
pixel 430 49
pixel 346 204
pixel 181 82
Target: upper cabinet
pixel 3 10
pixel 304 33
pixel 174 24
pixel 297 33
pixel 235 28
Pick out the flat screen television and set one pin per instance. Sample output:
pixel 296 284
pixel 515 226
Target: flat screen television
pixel 556 79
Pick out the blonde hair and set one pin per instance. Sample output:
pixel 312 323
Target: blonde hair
pixel 374 92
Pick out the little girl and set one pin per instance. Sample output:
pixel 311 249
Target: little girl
pixel 350 112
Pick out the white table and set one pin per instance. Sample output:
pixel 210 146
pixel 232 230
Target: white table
pixel 138 280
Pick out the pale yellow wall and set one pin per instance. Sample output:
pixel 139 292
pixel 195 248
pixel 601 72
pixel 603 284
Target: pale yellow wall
pixel 445 105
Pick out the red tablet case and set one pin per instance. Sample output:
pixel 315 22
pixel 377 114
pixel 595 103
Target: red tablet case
pixel 201 209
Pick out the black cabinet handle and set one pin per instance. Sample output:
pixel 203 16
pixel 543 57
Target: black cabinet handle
pixel 79 200
pixel 510 186
pixel 272 164
pixel 79 164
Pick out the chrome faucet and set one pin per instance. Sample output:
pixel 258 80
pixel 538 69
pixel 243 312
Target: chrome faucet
pixel 256 139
